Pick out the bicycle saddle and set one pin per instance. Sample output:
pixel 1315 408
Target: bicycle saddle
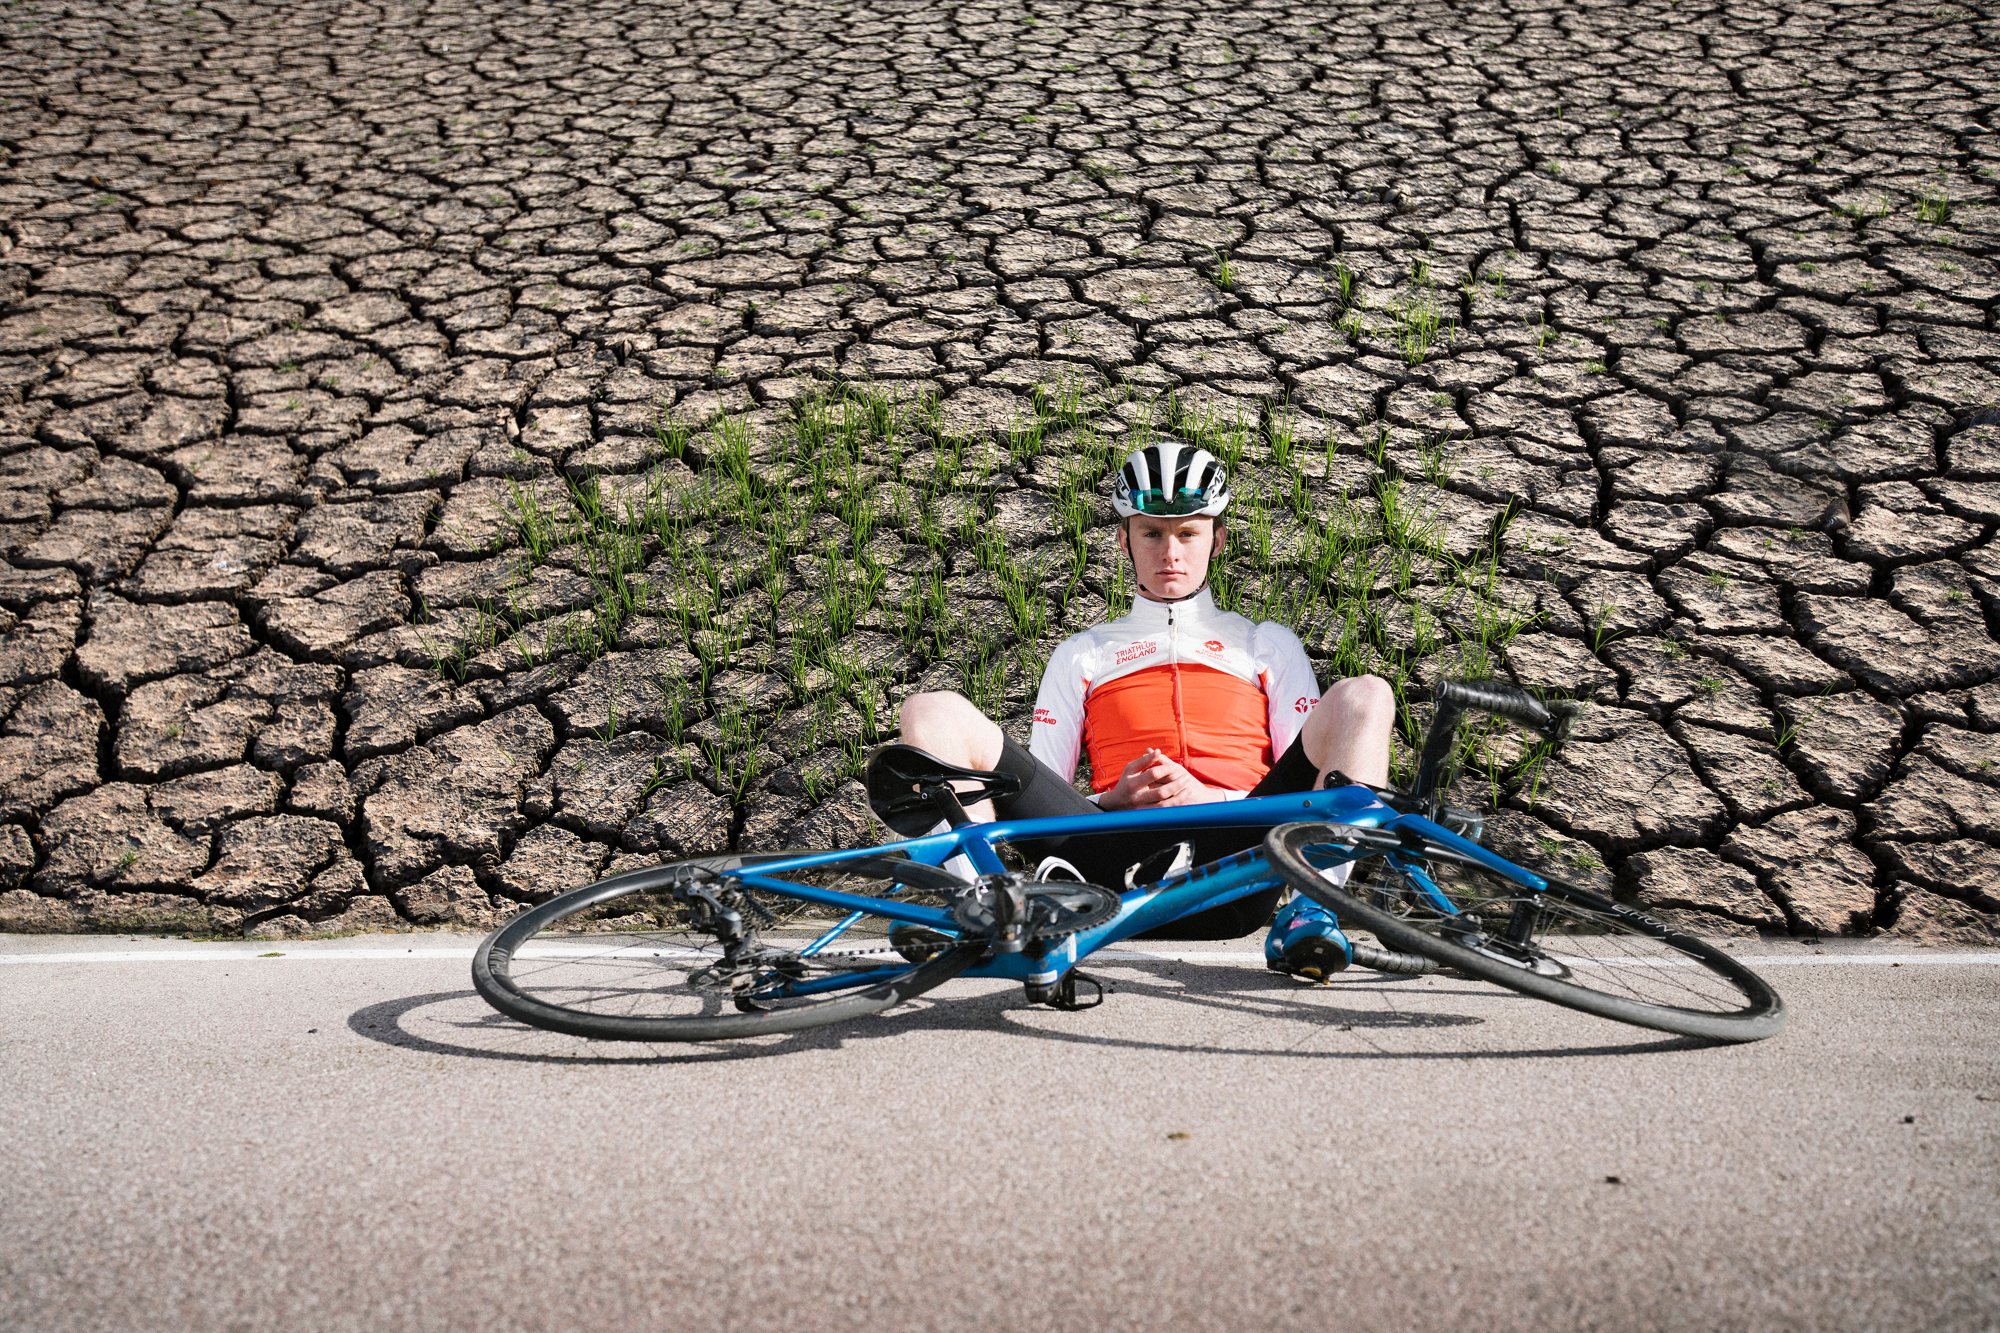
pixel 910 790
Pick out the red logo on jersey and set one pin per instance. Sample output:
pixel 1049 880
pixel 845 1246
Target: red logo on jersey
pixel 1132 652
pixel 1213 645
pixel 1304 705
pixel 1044 715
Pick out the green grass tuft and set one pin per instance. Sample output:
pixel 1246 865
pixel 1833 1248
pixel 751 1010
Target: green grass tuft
pixel 855 549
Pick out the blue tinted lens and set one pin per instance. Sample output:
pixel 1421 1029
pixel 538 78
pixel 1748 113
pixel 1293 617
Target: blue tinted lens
pixel 1159 502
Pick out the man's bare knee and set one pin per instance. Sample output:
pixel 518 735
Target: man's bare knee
pixel 948 725
pixel 1349 728
pixel 1365 698
pixel 1357 702
pixel 928 709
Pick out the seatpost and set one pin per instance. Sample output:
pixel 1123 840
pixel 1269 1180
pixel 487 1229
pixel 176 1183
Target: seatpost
pixel 946 800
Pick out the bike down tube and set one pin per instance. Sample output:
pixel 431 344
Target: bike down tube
pixel 1193 891
pixel 1207 886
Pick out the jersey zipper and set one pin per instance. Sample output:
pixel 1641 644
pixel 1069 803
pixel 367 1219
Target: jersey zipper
pixel 1174 665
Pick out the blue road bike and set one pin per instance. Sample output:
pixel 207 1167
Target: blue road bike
pixel 753 943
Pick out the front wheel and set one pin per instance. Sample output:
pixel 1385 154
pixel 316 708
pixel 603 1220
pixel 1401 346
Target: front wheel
pixel 687 952
pixel 1565 944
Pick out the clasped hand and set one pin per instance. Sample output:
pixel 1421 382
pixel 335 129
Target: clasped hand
pixel 1154 779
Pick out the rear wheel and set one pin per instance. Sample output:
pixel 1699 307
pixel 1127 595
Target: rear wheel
pixel 688 952
pixel 1567 944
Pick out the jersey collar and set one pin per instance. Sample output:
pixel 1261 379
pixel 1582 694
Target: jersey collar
pixel 1148 614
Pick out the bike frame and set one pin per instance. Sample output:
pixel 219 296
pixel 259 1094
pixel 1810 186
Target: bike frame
pixel 1143 907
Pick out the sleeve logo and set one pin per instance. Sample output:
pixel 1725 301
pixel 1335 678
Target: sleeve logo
pixel 1303 704
pixel 1046 716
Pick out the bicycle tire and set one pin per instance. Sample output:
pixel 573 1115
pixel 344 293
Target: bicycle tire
pixel 1576 948
pixel 596 992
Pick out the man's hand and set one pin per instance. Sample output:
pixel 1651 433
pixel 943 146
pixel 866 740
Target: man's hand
pixel 1153 779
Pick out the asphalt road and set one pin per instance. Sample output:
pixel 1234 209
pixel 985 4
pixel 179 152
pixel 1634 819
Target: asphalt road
pixel 344 1136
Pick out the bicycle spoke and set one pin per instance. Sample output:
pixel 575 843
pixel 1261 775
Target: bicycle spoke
pixel 699 954
pixel 1643 968
pixel 1563 944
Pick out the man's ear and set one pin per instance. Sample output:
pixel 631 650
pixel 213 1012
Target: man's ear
pixel 1220 533
pixel 1124 537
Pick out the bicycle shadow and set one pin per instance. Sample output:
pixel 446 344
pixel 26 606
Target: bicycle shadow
pixel 465 1026
pixel 459 1023
pixel 1254 993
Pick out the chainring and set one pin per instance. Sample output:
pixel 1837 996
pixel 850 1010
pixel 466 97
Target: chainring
pixel 1051 909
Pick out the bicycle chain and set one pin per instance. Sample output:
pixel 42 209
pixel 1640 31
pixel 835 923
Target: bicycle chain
pixel 756 907
pixel 850 953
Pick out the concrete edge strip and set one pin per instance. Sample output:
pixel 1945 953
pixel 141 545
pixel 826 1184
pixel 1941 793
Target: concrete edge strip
pixel 1116 954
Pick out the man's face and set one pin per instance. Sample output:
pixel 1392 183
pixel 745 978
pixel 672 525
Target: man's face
pixel 1170 554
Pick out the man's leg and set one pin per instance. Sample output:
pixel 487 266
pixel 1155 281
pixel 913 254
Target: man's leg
pixel 1349 729
pixel 947 725
pixel 950 727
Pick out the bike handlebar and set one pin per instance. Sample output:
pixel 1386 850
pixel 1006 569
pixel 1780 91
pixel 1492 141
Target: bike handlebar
pixel 1454 697
pixel 1508 701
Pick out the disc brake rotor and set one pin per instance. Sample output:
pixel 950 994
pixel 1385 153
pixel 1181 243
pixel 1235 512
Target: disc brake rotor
pixel 1504 951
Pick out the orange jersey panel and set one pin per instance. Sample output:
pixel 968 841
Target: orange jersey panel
pixel 1214 724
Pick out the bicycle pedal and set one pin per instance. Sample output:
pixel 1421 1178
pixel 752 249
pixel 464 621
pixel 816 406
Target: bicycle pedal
pixel 1064 996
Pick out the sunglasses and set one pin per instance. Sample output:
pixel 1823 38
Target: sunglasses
pixel 1162 504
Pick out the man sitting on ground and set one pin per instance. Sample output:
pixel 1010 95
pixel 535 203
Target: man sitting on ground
pixel 1177 703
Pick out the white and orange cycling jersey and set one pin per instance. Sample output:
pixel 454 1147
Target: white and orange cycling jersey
pixel 1219 693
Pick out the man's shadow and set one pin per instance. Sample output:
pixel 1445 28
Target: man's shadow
pixel 470 1029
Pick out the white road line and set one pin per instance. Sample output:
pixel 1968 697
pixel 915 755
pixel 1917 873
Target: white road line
pixel 211 954
pixel 310 952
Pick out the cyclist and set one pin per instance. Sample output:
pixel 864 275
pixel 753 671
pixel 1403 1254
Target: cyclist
pixel 1177 702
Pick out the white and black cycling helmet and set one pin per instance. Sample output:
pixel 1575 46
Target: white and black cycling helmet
pixel 1171 479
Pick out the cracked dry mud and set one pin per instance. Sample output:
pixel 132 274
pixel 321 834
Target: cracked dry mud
pixel 293 292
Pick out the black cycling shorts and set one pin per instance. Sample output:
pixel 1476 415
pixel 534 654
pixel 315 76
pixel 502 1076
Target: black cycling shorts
pixel 1104 860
